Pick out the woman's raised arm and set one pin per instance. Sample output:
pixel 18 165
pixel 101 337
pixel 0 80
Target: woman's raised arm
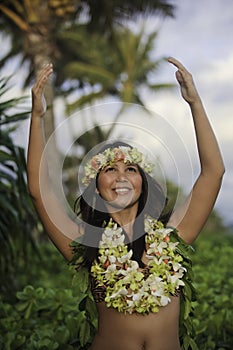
pixel 190 218
pixel 60 228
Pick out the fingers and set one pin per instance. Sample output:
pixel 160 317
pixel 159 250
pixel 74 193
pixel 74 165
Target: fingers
pixel 176 63
pixel 179 77
pixel 182 73
pixel 38 100
pixel 42 78
pixel 46 70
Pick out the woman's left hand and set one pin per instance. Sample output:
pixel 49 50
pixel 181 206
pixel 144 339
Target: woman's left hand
pixel 185 79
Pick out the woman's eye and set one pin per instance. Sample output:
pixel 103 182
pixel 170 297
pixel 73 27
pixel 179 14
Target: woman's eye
pixel 109 169
pixel 132 169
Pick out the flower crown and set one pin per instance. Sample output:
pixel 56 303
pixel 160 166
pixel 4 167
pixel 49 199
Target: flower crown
pixel 112 155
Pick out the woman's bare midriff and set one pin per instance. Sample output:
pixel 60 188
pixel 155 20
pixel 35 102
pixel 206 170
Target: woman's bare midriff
pixel 138 332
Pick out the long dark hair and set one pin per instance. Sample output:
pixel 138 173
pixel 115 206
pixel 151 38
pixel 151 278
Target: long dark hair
pixel 91 209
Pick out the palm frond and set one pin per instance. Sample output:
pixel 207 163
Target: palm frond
pixel 18 218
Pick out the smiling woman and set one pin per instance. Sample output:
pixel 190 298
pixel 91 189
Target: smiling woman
pixel 120 185
pixel 135 251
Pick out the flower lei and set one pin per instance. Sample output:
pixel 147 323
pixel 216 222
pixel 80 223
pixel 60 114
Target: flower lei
pixel 112 155
pixel 128 289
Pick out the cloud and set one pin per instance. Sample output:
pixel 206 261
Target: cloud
pixel 202 40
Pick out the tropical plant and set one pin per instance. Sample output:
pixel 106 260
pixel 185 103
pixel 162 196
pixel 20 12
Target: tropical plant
pixel 62 317
pixel 18 219
pixel 120 68
pixel 32 26
pixel 36 26
pixel 213 315
pixel 105 14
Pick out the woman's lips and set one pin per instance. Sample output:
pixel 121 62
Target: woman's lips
pixel 122 190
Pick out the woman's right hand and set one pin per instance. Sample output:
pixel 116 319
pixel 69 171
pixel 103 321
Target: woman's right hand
pixel 38 99
pixel 185 79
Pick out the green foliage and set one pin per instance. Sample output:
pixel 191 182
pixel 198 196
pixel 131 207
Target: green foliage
pixel 57 316
pixel 17 215
pixel 61 316
pixel 108 68
pixel 26 21
pixel 46 318
pixel 213 311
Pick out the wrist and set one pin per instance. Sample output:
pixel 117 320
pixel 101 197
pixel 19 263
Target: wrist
pixel 37 115
pixel 195 103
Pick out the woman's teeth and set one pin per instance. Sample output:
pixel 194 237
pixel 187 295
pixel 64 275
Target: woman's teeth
pixel 122 190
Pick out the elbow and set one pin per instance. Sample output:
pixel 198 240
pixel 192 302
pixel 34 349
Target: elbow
pixel 34 196
pixel 219 175
pixel 221 168
pixel 216 171
pixel 34 191
pixel 221 171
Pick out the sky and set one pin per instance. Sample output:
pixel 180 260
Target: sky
pixel 200 36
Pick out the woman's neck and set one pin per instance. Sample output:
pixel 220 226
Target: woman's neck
pixel 125 218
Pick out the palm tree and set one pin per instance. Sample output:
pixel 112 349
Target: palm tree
pixel 36 26
pixel 104 13
pixel 119 69
pixel 32 25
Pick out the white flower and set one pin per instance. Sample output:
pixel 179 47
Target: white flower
pixel 155 282
pixel 148 256
pixel 157 261
pixel 161 246
pixel 112 259
pixel 112 237
pixel 133 266
pixel 110 270
pixel 137 296
pixel 122 291
pixel 164 231
pixel 125 257
pixel 111 267
pixel 130 304
pixel 164 300
pixel 176 266
pixel 173 245
pixel 176 278
pixel 125 282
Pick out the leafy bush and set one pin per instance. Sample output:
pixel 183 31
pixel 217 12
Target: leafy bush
pixel 17 215
pixel 213 311
pixel 51 318
pixel 65 318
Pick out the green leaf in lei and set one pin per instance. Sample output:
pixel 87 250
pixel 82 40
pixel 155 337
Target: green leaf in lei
pixel 188 294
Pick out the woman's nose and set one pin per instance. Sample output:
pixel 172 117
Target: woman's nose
pixel 121 176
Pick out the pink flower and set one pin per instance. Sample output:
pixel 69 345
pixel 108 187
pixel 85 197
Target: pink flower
pixel 118 154
pixel 95 163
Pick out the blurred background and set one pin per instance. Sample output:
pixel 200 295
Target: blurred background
pixel 110 68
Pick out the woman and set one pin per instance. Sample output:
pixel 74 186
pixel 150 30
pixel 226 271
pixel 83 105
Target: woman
pixel 138 309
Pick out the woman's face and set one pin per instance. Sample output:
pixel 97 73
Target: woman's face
pixel 120 185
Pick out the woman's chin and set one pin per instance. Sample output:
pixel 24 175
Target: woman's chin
pixel 118 205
